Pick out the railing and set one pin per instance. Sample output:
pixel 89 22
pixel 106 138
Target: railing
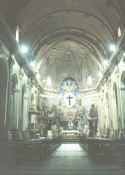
pixel 103 146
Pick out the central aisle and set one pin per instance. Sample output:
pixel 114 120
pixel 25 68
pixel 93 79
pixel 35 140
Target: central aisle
pixel 68 159
pixel 72 159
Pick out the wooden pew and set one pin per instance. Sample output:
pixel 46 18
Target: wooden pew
pixel 30 151
pixel 103 147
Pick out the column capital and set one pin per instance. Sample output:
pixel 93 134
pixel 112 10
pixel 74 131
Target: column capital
pixel 25 97
pixel 122 88
pixel 21 73
pixel 29 85
pixel 113 96
pixel 16 90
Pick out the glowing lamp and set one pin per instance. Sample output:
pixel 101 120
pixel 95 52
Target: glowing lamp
pixel 24 49
pixel 32 64
pixel 112 47
pixel 105 62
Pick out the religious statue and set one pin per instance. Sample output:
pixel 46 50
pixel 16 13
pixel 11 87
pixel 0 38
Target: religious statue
pixel 64 85
pixel 69 85
pixel 70 124
pixel 93 111
pixel 76 123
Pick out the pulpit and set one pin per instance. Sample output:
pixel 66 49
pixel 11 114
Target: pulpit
pixel 33 130
pixel 93 127
pixel 33 126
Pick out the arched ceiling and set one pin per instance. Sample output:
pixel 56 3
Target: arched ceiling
pixel 67 38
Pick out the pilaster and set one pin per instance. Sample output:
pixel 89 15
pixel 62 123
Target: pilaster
pixel 10 64
pixel 120 116
pixel 15 108
pixel 20 100
pixel 25 113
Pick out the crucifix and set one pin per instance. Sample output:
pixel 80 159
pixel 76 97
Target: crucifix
pixel 69 99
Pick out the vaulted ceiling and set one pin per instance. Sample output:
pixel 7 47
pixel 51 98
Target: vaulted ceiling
pixel 67 38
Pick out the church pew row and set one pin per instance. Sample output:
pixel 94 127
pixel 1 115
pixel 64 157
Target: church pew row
pixel 29 151
pixel 103 147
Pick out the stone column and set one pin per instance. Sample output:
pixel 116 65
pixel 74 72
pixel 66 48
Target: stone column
pixel 110 110
pixel 112 115
pixel 15 108
pixel 25 112
pixel 20 100
pixel 25 134
pixel 11 113
pixel 102 114
pixel 122 94
pixel 28 105
pixel 115 118
pixel 107 118
pixel 10 63
pixel 99 115
pixel 40 101
pixel 120 116
pixel 35 100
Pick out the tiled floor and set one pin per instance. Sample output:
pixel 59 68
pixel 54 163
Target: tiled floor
pixel 68 159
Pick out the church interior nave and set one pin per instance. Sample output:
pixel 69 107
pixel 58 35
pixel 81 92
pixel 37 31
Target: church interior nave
pixel 62 81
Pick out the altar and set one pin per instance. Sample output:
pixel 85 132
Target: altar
pixel 70 133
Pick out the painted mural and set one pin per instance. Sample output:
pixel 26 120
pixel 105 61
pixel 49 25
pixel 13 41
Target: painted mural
pixel 91 105
pixel 69 99
pixel 49 104
pixel 69 86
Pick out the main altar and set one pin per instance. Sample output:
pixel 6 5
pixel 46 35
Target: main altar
pixel 70 134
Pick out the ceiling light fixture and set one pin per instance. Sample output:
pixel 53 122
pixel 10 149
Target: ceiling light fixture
pixel 24 49
pixel 105 62
pixel 112 47
pixel 32 64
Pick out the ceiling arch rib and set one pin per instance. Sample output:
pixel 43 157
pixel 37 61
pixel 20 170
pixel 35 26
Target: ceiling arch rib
pixel 99 45
pixel 64 50
pixel 69 61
